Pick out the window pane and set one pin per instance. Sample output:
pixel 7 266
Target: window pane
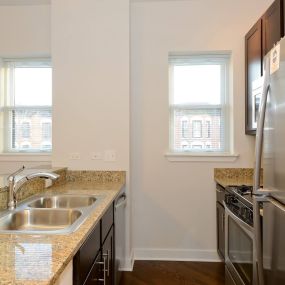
pixel 202 122
pixel 197 84
pixel 33 86
pixel 29 130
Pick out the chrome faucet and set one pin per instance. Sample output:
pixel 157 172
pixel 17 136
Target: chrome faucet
pixel 19 178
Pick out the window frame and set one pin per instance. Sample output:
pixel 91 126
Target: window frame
pixel 7 100
pixel 223 59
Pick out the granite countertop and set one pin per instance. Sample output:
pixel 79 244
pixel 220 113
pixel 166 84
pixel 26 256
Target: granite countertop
pixel 40 259
pixel 235 176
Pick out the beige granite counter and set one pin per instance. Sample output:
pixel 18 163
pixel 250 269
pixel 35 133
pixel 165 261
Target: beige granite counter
pixel 235 176
pixel 40 259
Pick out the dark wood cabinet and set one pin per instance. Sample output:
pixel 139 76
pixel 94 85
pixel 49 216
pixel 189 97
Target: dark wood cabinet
pixel 103 267
pixel 85 257
pixel 95 276
pixel 253 71
pixel 220 212
pixel 108 257
pixel 272 26
pixel 260 39
pixel 94 261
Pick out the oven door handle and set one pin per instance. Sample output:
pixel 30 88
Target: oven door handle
pixel 244 225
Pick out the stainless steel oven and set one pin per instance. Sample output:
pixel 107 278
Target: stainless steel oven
pixel 240 249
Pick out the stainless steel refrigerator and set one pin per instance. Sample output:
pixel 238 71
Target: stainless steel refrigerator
pixel 269 201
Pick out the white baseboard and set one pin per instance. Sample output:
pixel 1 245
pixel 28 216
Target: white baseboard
pixel 176 254
pixel 129 263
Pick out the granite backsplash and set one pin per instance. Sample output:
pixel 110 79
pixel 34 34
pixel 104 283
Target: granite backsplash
pixel 37 185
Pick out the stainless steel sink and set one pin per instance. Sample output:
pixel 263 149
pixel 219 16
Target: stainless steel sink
pixel 46 214
pixel 63 201
pixel 39 220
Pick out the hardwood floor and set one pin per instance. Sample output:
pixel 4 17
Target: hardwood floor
pixel 174 273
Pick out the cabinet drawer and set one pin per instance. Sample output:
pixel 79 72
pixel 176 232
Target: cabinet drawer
pixel 86 255
pixel 107 222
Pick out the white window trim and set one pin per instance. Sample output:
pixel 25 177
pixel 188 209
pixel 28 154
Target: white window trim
pixel 225 109
pixel 25 157
pixel 201 157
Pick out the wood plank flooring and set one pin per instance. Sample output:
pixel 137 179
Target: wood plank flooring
pixel 174 273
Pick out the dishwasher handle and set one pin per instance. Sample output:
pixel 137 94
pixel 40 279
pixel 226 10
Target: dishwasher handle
pixel 121 201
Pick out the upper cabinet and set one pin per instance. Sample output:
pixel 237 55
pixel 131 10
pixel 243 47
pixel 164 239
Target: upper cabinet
pixel 268 30
pixel 272 26
pixel 253 71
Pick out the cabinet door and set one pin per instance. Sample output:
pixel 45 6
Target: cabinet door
pixel 221 230
pixel 272 26
pixel 84 258
pixel 108 257
pixel 96 276
pixel 253 71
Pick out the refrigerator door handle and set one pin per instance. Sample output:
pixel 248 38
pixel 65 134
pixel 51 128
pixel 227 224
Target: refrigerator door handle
pixel 260 126
pixel 256 182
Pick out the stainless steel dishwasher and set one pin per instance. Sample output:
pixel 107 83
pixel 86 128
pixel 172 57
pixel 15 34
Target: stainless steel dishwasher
pixel 120 234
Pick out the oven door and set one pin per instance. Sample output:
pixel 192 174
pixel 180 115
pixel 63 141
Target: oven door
pixel 239 250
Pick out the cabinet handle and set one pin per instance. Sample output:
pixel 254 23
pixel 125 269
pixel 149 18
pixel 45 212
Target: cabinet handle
pixel 104 271
pixel 108 262
pixel 219 191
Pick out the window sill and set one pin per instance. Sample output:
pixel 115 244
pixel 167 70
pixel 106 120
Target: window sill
pixel 23 157
pixel 201 157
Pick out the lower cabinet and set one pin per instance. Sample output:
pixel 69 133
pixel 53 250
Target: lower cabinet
pixel 94 261
pixel 108 257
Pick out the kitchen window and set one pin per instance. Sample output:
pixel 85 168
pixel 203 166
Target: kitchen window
pixel 198 87
pixel 26 105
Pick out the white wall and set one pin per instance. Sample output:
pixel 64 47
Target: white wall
pixel 90 53
pixel 24 32
pixel 174 202
pixel 90 49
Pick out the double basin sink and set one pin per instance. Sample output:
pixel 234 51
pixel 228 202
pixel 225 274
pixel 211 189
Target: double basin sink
pixel 46 214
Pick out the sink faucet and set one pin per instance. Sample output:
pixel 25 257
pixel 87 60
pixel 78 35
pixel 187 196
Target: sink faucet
pixel 19 178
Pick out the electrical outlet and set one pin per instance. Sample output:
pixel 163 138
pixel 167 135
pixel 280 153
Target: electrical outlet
pixel 74 155
pixel 96 155
pixel 110 155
